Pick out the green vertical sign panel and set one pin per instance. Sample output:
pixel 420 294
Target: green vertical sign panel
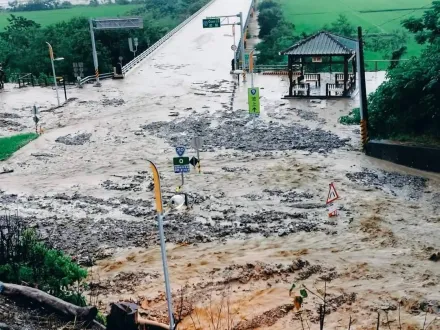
pixel 254 100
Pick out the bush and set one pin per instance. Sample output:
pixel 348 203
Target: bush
pixel 276 33
pixel 23 258
pixel 353 118
pixel 408 102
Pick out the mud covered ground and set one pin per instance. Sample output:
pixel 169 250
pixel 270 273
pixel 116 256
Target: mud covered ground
pixel 258 220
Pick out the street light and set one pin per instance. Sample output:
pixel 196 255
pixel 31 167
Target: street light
pixel 52 60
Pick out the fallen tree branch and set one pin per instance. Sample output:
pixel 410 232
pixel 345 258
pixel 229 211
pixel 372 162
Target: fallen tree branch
pixel 143 321
pixel 55 304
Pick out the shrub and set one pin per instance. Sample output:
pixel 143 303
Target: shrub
pixel 353 118
pixel 23 258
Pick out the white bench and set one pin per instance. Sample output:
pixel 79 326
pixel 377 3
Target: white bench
pixel 301 89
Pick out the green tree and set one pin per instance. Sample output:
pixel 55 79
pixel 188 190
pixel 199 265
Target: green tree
pixel 269 19
pixel 427 27
pixel 408 103
pixel 342 27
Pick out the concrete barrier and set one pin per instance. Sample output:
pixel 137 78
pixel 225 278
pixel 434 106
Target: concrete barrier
pixel 419 157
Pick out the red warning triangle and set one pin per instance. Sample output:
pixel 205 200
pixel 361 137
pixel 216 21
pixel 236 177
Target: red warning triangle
pixel 332 194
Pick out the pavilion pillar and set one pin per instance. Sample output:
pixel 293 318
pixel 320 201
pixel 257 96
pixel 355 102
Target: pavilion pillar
pixel 354 71
pixel 290 71
pixel 345 74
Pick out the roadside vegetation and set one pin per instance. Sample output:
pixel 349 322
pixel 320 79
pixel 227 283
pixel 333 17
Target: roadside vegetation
pixel 48 17
pixel 408 103
pixel 25 259
pixel 9 145
pixel 70 38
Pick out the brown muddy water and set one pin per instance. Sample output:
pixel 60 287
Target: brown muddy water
pixel 258 221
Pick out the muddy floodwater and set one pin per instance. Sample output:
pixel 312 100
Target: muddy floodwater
pixel 258 220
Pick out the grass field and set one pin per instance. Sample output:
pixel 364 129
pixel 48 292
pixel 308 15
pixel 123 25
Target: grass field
pixel 47 17
pixel 375 16
pixel 9 145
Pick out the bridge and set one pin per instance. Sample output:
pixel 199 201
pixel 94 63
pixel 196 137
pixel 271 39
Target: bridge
pixel 193 26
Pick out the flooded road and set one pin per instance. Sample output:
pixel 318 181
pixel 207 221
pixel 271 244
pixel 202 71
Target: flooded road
pixel 258 221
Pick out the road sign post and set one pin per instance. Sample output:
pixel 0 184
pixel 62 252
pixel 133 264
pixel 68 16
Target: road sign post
pixel 35 113
pixel 181 164
pixel 197 143
pixel 254 102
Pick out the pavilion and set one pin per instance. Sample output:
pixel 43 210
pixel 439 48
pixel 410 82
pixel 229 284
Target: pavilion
pixel 323 49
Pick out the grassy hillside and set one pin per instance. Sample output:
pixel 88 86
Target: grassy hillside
pixel 47 17
pixel 375 16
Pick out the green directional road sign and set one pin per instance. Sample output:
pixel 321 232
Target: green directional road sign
pixel 213 22
pixel 181 164
pixel 246 60
pixel 254 100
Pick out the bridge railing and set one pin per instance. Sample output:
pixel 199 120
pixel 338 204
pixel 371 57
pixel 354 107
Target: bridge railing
pixel 246 24
pixel 130 65
pixel 93 78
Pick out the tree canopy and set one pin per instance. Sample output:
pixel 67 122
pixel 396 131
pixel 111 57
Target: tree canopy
pixel 408 103
pixel 23 47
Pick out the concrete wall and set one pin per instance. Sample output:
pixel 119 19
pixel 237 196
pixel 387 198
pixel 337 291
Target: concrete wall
pixel 423 158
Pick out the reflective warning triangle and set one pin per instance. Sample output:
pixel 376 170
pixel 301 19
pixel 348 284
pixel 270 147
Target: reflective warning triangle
pixel 332 194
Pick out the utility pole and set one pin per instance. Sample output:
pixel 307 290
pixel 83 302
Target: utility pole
pixel 362 88
pixel 95 55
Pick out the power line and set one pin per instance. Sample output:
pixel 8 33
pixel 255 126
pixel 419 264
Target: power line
pixel 396 18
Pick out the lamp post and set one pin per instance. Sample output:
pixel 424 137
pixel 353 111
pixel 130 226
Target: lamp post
pixel 52 60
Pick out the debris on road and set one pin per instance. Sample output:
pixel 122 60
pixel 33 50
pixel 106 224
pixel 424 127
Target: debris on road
pixel 74 140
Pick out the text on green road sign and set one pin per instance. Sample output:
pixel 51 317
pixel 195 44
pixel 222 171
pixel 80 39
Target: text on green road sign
pixel 213 22
pixel 254 100
pixel 181 164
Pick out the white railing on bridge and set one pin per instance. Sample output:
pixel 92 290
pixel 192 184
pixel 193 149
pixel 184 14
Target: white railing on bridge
pixel 246 24
pixel 130 65
pixel 93 78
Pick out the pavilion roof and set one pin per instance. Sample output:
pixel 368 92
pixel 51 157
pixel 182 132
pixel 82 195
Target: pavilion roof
pixel 321 44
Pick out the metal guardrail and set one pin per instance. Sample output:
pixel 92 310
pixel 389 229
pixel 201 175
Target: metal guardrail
pixel 130 65
pixel 92 78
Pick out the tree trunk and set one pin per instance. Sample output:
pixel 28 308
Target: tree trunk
pixel 57 305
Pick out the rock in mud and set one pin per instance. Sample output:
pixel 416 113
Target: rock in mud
pixel 9 123
pixel 113 102
pixel 234 130
pixel 413 186
pixel 9 115
pixel 435 257
pixel 74 140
